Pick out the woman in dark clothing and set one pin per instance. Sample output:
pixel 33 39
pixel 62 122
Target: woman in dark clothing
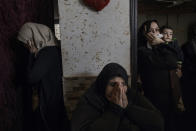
pixel 189 74
pixel 109 105
pixel 20 60
pixel 155 61
pixel 44 76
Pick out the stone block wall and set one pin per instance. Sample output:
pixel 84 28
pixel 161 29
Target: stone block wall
pixel 73 89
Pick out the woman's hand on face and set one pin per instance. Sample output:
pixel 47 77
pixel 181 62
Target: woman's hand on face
pixel 31 47
pixel 124 97
pixel 149 36
pixel 157 41
pixel 153 39
pixel 118 96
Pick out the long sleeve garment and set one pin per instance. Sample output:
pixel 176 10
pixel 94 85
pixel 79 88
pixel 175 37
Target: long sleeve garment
pixel 174 44
pixel 189 66
pixel 95 113
pixel 45 72
pixel 154 66
pixel 189 76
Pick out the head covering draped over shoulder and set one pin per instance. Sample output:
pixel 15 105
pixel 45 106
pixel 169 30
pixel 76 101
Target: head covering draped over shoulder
pixel 40 34
pixel 110 71
pixel 96 94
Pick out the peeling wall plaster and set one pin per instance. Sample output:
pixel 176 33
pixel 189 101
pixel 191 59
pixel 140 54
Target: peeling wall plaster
pixel 91 39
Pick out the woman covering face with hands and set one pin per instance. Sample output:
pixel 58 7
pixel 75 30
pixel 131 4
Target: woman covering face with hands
pixel 116 92
pixel 109 105
pixel 44 77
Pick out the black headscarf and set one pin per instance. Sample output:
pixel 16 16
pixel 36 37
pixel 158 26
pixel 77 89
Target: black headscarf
pixel 96 94
pixel 110 71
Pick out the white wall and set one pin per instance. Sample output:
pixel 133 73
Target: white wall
pixel 92 39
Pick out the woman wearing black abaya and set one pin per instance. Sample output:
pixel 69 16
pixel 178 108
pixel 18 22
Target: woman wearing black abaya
pixel 189 75
pixel 44 76
pixel 155 61
pixel 109 105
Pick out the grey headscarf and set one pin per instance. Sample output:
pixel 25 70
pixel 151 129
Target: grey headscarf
pixel 40 34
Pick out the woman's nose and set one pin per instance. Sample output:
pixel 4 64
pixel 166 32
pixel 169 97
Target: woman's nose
pixel 120 85
pixel 153 30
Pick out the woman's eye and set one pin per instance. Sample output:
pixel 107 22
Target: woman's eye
pixel 113 84
pixel 123 83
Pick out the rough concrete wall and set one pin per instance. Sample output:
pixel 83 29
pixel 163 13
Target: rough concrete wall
pixel 179 23
pixel 92 39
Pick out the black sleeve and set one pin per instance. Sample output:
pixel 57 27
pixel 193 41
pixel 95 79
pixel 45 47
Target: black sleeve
pixel 136 98
pixel 189 65
pixel 127 125
pixel 87 118
pixel 143 113
pixel 178 50
pixel 41 64
pixel 161 57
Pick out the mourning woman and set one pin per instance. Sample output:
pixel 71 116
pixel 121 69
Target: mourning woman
pixel 109 105
pixel 44 77
pixel 189 75
pixel 156 62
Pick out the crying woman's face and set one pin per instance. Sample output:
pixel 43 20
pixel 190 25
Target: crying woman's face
pixel 116 82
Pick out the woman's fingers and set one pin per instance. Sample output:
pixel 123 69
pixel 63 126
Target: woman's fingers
pixel 114 95
pixel 118 96
pixel 28 42
pixel 157 41
pixel 150 36
pixel 123 97
pixel 31 46
pixel 153 39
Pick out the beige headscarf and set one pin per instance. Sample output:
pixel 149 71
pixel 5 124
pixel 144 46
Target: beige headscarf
pixel 40 34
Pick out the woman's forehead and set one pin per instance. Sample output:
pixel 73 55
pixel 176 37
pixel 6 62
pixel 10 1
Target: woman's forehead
pixel 117 78
pixel 154 25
